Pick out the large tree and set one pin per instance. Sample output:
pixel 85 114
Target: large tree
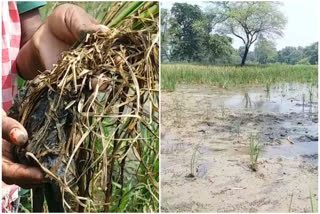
pixel 312 53
pixel 218 47
pixel 190 35
pixel 265 51
pixel 185 42
pixel 250 20
pixel 213 46
pixel 290 55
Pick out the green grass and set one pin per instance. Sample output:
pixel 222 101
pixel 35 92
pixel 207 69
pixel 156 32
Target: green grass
pixel 313 203
pixel 255 150
pixel 95 9
pixel 228 76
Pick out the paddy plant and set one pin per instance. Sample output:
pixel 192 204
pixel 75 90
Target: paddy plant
pixel 255 150
pixel 247 100
pixel 230 76
pixel 193 162
pixel 313 203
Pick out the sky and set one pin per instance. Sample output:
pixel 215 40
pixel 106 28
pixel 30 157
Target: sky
pixel 302 28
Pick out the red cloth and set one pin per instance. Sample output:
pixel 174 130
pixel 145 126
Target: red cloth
pixel 11 35
pixel 9 198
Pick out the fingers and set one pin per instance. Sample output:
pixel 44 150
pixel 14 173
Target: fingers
pixel 24 176
pixel 13 131
pixel 68 22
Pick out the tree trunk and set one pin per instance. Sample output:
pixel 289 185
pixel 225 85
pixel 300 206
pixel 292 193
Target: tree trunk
pixel 244 57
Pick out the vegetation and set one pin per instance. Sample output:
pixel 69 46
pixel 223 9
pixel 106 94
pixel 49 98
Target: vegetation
pixel 265 52
pixel 250 20
pixel 195 35
pixel 193 161
pixel 95 9
pixel 107 152
pixel 187 36
pixel 313 203
pixel 299 55
pixel 229 76
pixel 255 149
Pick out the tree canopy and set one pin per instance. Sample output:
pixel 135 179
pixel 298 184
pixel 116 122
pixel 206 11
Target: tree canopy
pixel 187 35
pixel 265 51
pixel 190 33
pixel 250 20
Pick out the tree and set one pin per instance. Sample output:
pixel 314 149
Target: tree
pixel 290 55
pixel 265 51
pixel 249 20
pixel 304 61
pixel 299 55
pixel 218 46
pixel 312 53
pixel 250 55
pixel 185 41
pixel 213 46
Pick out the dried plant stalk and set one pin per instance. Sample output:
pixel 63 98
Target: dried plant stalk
pixel 94 111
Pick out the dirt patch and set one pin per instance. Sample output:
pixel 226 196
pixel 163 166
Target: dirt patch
pixel 206 121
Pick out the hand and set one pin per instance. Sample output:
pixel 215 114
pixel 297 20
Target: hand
pixel 14 173
pixel 63 28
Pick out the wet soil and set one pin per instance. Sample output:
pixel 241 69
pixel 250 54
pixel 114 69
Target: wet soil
pixel 216 124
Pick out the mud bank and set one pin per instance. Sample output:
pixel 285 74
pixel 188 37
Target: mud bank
pixel 215 124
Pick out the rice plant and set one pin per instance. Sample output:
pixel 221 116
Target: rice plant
pixel 255 150
pixel 179 112
pixel 303 101
pixel 313 204
pixel 193 161
pixel 230 76
pixel 93 118
pixel 247 100
pixel 310 93
pixel 268 87
pixel 290 205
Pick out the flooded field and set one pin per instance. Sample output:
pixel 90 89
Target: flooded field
pixel 206 133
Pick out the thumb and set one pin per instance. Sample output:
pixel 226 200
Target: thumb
pixel 69 23
pixel 13 131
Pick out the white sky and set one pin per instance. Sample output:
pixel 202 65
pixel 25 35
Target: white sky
pixel 302 27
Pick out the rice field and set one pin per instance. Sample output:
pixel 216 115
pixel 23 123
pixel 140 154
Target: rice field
pixel 227 76
pixel 241 134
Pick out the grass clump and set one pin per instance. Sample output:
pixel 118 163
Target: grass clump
pixel 313 204
pixel 193 162
pixel 93 119
pixel 255 150
pixel 226 76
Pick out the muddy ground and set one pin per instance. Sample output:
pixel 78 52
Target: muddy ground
pixel 216 124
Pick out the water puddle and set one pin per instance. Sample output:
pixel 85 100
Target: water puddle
pixel 284 99
pixel 306 150
pixel 275 113
pixel 202 169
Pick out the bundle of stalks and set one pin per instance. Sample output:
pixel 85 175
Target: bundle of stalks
pixel 93 119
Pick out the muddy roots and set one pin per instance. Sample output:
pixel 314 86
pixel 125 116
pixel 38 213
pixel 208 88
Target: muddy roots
pixel 93 113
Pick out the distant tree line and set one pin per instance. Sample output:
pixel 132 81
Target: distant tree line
pixel 265 52
pixel 189 34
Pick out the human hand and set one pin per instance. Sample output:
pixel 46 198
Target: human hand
pixel 66 25
pixel 14 173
